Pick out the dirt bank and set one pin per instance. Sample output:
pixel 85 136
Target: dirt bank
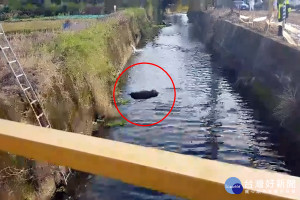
pixel 73 74
pixel 262 67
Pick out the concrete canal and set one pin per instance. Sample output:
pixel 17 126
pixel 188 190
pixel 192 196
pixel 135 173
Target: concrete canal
pixel 210 118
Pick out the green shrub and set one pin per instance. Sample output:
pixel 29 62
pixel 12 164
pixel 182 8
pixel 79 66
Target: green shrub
pixel 73 8
pixel 115 123
pixel 15 4
pixel 30 7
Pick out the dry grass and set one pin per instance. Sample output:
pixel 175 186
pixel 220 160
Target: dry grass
pixel 14 176
pixel 38 66
pixel 12 172
pixel 36 62
pixel 72 72
pixel 287 106
pixel 41 25
pixel 182 9
pixel 30 26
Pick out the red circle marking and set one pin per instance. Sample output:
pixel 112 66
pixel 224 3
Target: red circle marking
pixel 144 63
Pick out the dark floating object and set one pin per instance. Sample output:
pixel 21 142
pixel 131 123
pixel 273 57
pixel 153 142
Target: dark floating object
pixel 144 94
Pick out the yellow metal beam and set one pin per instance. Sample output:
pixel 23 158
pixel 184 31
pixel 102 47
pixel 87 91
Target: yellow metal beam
pixel 185 176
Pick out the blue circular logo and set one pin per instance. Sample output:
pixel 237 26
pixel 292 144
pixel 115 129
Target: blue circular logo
pixel 233 186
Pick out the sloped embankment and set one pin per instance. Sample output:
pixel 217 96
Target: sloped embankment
pixel 73 74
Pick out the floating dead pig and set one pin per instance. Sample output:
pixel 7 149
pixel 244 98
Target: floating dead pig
pixel 144 94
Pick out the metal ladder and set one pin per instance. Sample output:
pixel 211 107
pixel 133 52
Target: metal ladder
pixel 22 80
pixel 30 94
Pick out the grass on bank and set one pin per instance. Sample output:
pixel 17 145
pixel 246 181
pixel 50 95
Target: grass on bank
pixel 77 68
pixel 86 60
pixel 30 26
pixel 122 101
pixel 182 9
pixel 89 50
pixel 39 25
pixel 48 24
pixel 95 55
pixel 116 123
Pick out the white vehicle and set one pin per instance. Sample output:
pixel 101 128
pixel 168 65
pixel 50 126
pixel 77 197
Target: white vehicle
pixel 241 5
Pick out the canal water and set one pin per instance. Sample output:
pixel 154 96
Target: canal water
pixel 210 119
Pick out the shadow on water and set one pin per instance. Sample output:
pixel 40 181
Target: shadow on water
pixel 285 142
pixel 210 119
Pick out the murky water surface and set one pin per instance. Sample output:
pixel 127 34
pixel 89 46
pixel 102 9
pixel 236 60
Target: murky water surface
pixel 210 120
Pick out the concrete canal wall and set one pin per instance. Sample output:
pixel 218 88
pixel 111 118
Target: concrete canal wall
pixel 264 68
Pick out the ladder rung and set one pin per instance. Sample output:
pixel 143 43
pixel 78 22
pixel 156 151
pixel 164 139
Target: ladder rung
pixel 26 88
pixel 34 101
pixel 1 33
pixel 18 76
pixel 40 115
pixel 13 61
pixel 3 48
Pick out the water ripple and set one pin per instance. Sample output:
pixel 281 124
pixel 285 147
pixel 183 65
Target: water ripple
pixel 209 119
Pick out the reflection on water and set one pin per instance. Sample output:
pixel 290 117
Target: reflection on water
pixel 209 120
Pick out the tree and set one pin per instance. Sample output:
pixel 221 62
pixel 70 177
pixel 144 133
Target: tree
pixel 47 3
pixel 58 2
pixel 73 8
pixel 166 3
pixel 109 5
pixel 15 4
pixel 30 7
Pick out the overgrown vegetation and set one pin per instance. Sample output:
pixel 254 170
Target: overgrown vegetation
pixel 123 101
pixel 14 178
pixel 74 72
pixel 22 9
pixel 182 8
pixel 115 123
pixel 288 106
pixel 30 26
pixel 95 56
pixel 30 8
pixel 42 24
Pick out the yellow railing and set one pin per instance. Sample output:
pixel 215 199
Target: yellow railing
pixel 180 175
